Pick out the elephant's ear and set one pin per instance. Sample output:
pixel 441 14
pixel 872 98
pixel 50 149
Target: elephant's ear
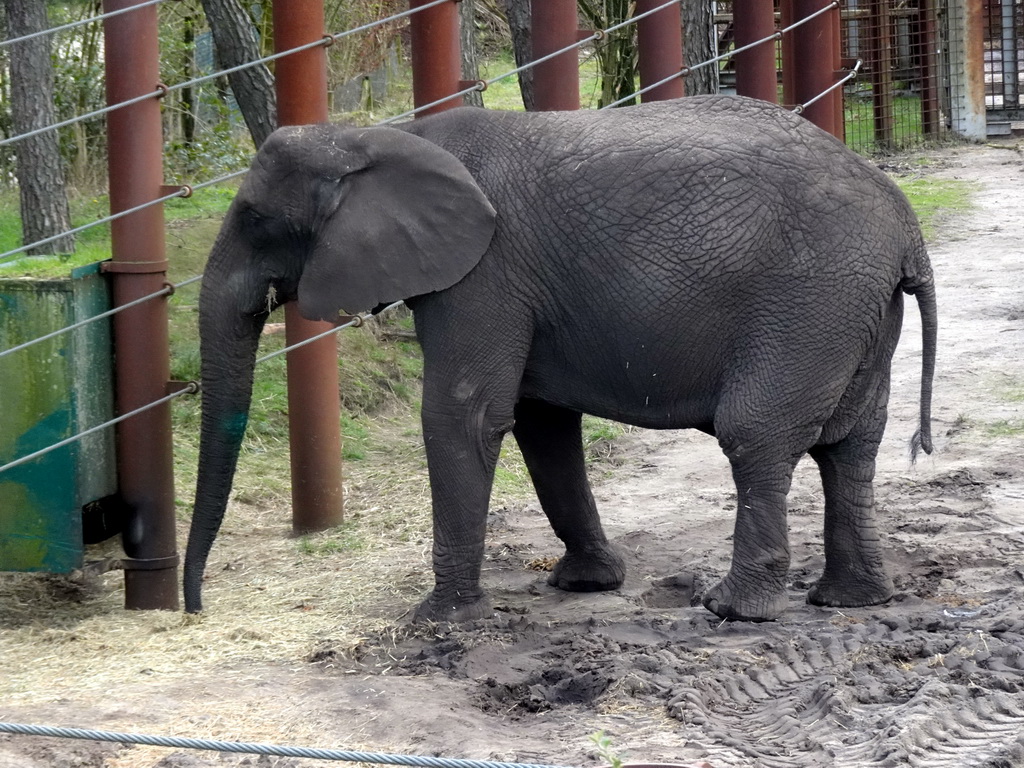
pixel 409 220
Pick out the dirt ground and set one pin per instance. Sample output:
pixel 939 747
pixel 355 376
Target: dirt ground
pixel 933 678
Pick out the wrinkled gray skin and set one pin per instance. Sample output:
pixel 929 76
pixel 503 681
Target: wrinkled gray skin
pixel 713 262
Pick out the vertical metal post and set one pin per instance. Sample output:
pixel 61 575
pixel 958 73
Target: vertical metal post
pixel 314 411
pixel 139 266
pixel 928 53
pixel 1008 52
pixel 967 69
pixel 785 19
pixel 660 48
pixel 755 69
pixel 880 48
pixel 436 60
pixel 556 82
pixel 815 62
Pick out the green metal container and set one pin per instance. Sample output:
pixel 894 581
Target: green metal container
pixel 48 392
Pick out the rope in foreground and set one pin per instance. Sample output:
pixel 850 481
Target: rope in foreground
pixel 256 749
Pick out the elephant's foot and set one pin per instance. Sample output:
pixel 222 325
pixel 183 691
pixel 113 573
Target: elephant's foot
pixel 731 600
pixel 596 569
pixel 453 610
pixel 848 591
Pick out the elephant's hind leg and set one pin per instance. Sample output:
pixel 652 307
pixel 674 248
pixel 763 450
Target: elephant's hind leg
pixel 854 569
pixel 764 431
pixel 552 444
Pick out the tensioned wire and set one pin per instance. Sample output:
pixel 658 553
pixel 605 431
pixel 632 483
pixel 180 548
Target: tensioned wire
pixel 194 386
pixel 162 90
pixel 381 758
pixel 79 23
pixel 481 85
pixel 190 388
pixel 166 89
pixel 777 35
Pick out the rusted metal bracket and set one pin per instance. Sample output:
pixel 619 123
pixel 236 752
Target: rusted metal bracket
pixel 135 267
pixel 150 564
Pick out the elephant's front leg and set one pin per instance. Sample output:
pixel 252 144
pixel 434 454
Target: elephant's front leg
pixel 552 443
pixel 462 440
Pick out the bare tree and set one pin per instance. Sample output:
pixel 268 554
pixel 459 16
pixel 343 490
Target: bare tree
pixel 700 43
pixel 237 43
pixel 470 66
pixel 44 200
pixel 518 13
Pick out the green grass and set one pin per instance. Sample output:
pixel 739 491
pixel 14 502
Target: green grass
pixel 933 199
pixel 94 244
pixel 859 116
pixel 346 537
pixel 1005 428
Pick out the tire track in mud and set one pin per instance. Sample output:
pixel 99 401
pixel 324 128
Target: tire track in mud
pixel 871 696
pixel 890 690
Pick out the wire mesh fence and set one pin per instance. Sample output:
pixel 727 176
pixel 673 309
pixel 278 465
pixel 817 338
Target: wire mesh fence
pixel 895 104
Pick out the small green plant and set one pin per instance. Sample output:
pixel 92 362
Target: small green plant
pixel 604 749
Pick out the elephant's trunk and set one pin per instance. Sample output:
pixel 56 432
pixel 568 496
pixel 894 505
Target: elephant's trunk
pixel 229 336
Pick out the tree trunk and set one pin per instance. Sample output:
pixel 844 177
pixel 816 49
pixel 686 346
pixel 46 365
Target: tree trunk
pixel 44 200
pixel 617 51
pixel 700 43
pixel 518 13
pixel 467 35
pixel 237 43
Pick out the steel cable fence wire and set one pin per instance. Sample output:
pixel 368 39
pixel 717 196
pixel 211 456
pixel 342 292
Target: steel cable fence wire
pixel 162 90
pixel 482 85
pixel 184 191
pixel 476 87
pixel 168 290
pixel 777 35
pixel 79 23
pixel 190 388
pixel 799 108
pixel 380 758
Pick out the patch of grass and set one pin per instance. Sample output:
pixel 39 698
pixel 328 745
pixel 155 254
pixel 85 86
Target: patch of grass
pixel 598 437
pixel 1005 428
pixel 94 244
pixel 934 199
pixel 347 537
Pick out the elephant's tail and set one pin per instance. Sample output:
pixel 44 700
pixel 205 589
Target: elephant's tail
pixel 924 291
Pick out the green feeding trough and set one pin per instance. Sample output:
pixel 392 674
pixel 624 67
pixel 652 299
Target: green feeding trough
pixel 48 392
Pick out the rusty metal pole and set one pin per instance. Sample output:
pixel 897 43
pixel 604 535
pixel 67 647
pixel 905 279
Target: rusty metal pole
pixel 928 52
pixel 660 47
pixel 879 26
pixel 314 411
pixel 756 76
pixel 556 82
pixel 436 58
pixel 135 165
pixel 836 97
pixel 815 62
pixel 786 19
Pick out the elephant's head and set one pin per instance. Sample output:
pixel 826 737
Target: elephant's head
pixel 341 220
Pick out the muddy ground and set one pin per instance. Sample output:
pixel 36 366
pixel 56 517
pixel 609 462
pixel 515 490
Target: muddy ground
pixel 933 678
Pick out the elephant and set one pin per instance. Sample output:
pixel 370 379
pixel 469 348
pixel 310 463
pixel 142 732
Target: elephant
pixel 711 262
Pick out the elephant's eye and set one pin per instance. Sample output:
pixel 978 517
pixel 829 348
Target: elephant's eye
pixel 254 217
